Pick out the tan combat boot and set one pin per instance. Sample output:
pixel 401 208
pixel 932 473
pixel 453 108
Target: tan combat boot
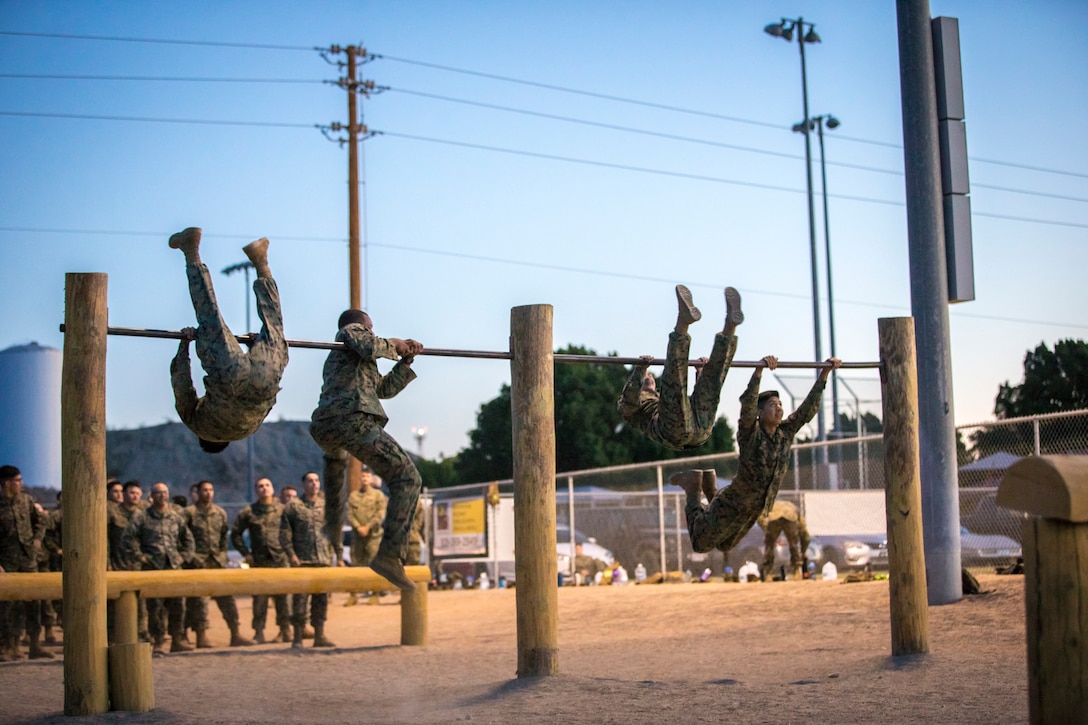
pixel 353 599
pixel 188 241
pixel 202 640
pixel 296 640
pixel 236 638
pixel 284 635
pixel 257 252
pixel 36 651
pixel 178 643
pixel 258 636
pixel 691 481
pixel 710 484
pixel 320 640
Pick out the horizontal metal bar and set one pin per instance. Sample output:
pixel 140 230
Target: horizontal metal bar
pixel 490 355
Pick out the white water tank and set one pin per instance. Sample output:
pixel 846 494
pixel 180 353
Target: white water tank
pixel 30 413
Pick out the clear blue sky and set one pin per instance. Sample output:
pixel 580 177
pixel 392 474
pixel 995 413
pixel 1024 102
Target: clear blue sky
pixel 457 234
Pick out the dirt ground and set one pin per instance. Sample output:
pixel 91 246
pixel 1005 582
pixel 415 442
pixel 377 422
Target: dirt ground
pixel 787 652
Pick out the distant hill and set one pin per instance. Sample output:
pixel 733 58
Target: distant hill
pixel 282 451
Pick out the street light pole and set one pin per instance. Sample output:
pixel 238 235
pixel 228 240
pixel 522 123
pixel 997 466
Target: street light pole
pixel 785 30
pixel 251 484
pixel 832 123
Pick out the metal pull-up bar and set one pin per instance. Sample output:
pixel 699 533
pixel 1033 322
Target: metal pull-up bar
pixel 491 355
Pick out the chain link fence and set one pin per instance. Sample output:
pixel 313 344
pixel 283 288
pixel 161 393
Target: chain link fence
pixel 632 515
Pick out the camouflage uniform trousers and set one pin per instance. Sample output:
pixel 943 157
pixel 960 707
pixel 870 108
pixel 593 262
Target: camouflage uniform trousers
pixel 362 436
pixel 729 516
pixel 196 612
pixel 771 533
pixel 684 422
pixel 17 618
pixel 363 550
pixel 166 616
pixel 319 608
pixel 260 607
pixel 221 355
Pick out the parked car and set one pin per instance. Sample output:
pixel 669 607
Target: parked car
pixel 850 551
pixel 590 547
pixel 987 549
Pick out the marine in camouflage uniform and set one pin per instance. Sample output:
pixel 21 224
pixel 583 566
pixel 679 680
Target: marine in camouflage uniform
pixel 417 537
pixel 240 389
pixel 669 416
pixel 22 527
pixel 366 510
pixel 118 516
pixel 349 418
pixel 208 524
pixel 261 521
pixel 303 538
pixel 784 518
pixel 51 558
pixel 765 440
pixel 157 538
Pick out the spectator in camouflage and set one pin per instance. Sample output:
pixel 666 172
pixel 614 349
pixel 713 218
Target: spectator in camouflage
pixel 349 418
pixel 157 538
pixel 417 537
pixel 366 509
pixel 240 389
pixel 118 515
pixel 260 521
pixel 22 528
pixel 208 525
pixel 51 558
pixel 784 518
pixel 303 537
pixel 765 440
pixel 669 416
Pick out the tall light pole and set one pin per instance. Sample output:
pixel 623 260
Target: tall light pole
pixel 785 30
pixel 420 433
pixel 251 483
pixel 832 123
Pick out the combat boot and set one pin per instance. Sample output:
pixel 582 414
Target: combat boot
pixel 296 641
pixel 202 640
pixel 178 643
pixel 688 312
pixel 352 600
pixel 691 481
pixel 188 241
pixel 798 574
pixel 320 640
pixel 284 635
pixel 258 636
pixel 710 484
pixel 733 314
pixel 156 645
pixel 36 651
pixel 50 638
pixel 237 640
pixel 258 254
pixel 307 633
pixel 5 650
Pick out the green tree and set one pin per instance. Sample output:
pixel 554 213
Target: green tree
pixel 589 432
pixel 1054 380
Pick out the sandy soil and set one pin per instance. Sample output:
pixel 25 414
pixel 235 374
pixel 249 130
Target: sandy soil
pixel 789 652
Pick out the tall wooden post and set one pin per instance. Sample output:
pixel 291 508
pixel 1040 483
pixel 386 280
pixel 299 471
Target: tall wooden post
pixel 532 403
pixel 1055 490
pixel 83 483
pixel 903 488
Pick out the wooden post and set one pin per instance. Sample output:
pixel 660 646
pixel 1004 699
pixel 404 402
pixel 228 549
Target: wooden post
pixel 903 488
pixel 413 617
pixel 1055 490
pixel 132 687
pixel 532 404
pixel 83 483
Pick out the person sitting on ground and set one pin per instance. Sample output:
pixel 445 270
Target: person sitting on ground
pixel 668 415
pixel 784 518
pixel 349 418
pixel 240 389
pixel 765 440
pixel 586 567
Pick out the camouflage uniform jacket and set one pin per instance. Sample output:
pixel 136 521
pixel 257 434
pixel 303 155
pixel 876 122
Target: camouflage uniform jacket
pixel 367 508
pixel 231 409
pixel 52 544
pixel 419 524
pixel 352 382
pixel 161 537
pixel 209 526
pixel 766 458
pixel 21 525
pixel 302 532
pixel 263 522
pixel 117 518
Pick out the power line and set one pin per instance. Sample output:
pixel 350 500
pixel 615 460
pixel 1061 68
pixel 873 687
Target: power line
pixel 194 79
pixel 523 263
pixel 148 119
pixel 689 111
pixel 162 41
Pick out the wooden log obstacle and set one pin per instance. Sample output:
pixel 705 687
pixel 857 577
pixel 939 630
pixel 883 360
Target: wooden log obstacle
pixel 1054 490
